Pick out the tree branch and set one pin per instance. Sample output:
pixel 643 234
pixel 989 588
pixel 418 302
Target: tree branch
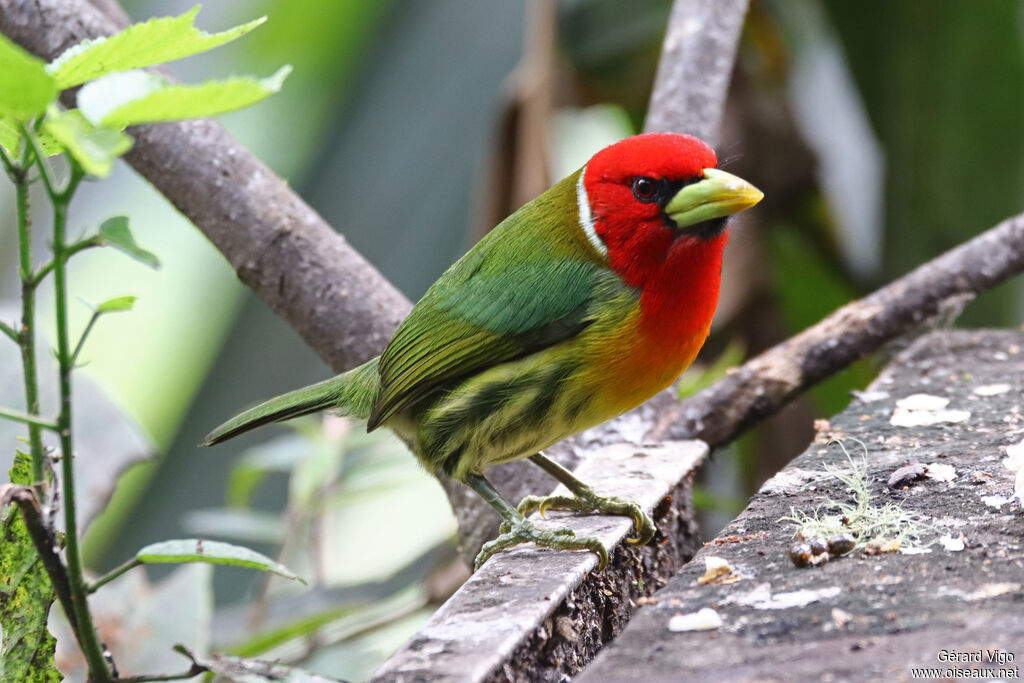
pixel 279 246
pixel 696 63
pixel 44 541
pixel 768 382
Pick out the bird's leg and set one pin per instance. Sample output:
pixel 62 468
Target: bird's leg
pixel 517 529
pixel 585 499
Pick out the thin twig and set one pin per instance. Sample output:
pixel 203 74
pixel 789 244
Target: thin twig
pixel 9 332
pixel 45 543
pixel 191 673
pixel 73 249
pixel 28 419
pixel 85 333
pixel 113 574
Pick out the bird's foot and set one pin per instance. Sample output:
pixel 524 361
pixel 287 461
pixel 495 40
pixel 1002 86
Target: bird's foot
pixel 524 531
pixel 587 500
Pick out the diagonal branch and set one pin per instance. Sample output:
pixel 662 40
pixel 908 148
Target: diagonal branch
pixel 766 383
pixel 281 248
pixel 278 245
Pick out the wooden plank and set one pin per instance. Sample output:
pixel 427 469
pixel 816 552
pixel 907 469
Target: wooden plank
pixel 534 614
pixel 867 618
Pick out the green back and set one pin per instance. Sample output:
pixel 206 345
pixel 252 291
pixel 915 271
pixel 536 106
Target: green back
pixel 525 286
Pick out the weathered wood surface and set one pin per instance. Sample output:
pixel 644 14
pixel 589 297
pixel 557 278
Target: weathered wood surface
pixel 866 618
pixel 533 614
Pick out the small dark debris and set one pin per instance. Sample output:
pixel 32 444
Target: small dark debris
pixel 906 474
pixel 840 544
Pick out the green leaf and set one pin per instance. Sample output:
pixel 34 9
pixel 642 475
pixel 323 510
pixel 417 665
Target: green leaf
pixel 133 97
pixel 10 136
pixel 151 42
pixel 211 552
pixel 121 303
pixel 115 232
pixel 27 649
pixel 94 147
pixel 26 89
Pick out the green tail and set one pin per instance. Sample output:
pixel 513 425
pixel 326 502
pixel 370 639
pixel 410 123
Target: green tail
pixel 352 394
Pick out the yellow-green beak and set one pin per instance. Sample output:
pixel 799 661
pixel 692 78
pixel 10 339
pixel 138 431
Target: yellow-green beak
pixel 717 195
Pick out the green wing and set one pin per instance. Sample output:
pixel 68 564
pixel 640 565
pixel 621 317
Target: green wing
pixel 496 304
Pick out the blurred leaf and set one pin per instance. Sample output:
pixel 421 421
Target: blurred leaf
pixel 277 455
pixel 807 289
pixel 144 44
pixel 27 649
pixel 250 526
pixel 139 621
pixel 944 88
pixel 211 552
pixel 94 147
pixel 254 670
pixel 25 87
pixel 117 233
pixel 692 382
pixel 121 303
pixel 133 97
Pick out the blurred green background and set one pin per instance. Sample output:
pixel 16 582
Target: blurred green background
pixel 882 133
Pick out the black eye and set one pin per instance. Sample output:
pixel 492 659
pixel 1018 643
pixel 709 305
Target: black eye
pixel 645 188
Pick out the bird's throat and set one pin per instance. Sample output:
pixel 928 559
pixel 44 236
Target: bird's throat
pixel 679 296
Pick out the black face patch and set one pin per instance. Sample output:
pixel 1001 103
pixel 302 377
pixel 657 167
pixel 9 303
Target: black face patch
pixel 705 230
pixel 658 191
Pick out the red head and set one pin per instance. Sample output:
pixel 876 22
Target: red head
pixel 656 206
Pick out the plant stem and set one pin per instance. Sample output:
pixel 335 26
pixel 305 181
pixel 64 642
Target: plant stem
pixel 191 673
pixel 88 639
pixel 72 249
pixel 85 333
pixel 33 421
pixel 27 333
pixel 9 331
pixel 113 574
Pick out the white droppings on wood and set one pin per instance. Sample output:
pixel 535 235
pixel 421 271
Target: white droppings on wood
pixel 717 570
pixel 923 410
pixel 704 619
pixel 940 471
pixel 1014 462
pixel 991 389
pixel 952 544
pixel 761 597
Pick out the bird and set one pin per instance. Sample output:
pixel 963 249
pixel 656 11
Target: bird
pixel 578 307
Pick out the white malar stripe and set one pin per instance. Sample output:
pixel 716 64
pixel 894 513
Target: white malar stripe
pixel 586 219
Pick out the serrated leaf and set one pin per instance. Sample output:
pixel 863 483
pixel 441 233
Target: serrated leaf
pixel 211 552
pixel 94 147
pixel 116 233
pixel 121 303
pixel 27 649
pixel 26 89
pixel 151 42
pixel 134 97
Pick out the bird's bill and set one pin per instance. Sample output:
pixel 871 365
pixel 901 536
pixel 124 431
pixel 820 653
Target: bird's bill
pixel 716 195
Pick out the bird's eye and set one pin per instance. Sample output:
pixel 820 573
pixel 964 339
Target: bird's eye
pixel 645 188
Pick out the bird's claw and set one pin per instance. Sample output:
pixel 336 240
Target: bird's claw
pixel 514 533
pixel 587 500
